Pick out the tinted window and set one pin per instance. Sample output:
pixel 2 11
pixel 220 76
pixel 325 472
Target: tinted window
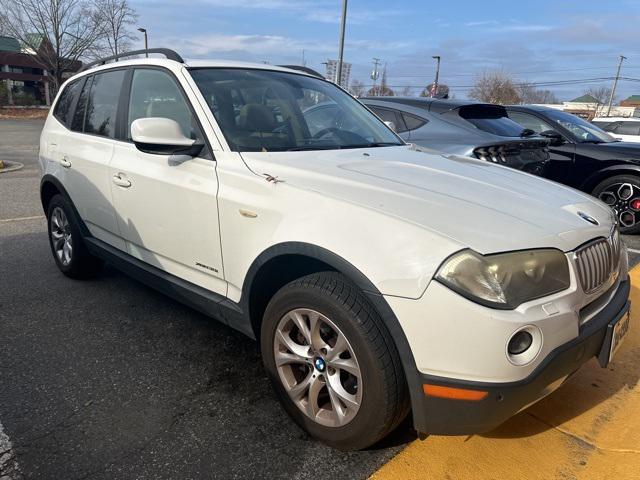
pixel 628 128
pixel 262 110
pixel 387 115
pixel 78 116
pixel 154 93
pixel 605 125
pixel 490 119
pixel 530 121
pixel 412 122
pixel 63 107
pixel 102 104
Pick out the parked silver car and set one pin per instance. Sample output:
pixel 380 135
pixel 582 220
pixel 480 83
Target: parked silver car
pixel 479 130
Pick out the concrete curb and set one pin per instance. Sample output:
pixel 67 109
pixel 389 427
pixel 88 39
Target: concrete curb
pixel 10 166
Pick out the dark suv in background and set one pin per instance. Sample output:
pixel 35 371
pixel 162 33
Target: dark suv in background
pixel 585 157
pixel 479 130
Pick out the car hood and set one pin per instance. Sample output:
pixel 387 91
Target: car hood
pixel 478 204
pixel 629 150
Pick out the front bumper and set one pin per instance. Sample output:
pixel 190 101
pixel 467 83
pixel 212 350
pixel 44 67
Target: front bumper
pixel 462 417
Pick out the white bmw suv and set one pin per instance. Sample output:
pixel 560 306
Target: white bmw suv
pixel 377 279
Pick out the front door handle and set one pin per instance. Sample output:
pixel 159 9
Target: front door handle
pixel 121 182
pixel 65 162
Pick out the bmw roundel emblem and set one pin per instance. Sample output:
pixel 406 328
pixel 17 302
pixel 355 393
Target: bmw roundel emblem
pixel 588 218
pixel 320 364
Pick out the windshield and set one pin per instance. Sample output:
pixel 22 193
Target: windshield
pixel 582 130
pixel 263 110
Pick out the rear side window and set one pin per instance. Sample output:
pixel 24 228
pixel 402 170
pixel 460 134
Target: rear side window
pixel 102 103
pixel 63 108
pixel 387 115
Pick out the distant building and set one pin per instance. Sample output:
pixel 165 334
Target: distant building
pixel 26 81
pixel 332 72
pixel 588 107
pixel 632 101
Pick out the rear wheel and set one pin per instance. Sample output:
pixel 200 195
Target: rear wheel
pixel 332 363
pixel 68 248
pixel 622 193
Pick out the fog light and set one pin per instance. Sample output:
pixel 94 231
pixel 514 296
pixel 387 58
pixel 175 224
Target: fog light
pixel 520 342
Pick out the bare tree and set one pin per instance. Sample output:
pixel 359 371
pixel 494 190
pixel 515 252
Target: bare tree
pixel 495 87
pixel 59 32
pixel 443 91
pixel 357 88
pixel 601 94
pixel 529 94
pixel 116 18
pixel 406 91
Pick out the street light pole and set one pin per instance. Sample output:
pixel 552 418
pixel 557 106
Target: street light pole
pixel 146 43
pixel 615 84
pixel 434 89
pixel 343 25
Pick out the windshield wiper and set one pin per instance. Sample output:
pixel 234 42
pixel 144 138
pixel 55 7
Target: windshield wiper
pixel 313 147
pixel 374 144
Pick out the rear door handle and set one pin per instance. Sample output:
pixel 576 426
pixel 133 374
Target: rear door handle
pixel 121 182
pixel 65 162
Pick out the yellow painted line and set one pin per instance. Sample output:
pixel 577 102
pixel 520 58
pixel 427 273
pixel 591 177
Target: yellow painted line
pixel 21 219
pixel 589 429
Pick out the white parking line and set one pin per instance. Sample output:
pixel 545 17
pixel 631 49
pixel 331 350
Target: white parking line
pixel 633 250
pixel 21 219
pixel 9 468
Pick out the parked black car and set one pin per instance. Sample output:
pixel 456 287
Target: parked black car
pixel 587 158
pixel 463 128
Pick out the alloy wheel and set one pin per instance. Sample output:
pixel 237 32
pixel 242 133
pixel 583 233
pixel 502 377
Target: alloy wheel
pixel 61 236
pixel 624 198
pixel 317 367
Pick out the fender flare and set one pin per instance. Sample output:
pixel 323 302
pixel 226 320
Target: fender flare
pixel 48 178
pixel 378 301
pixel 589 184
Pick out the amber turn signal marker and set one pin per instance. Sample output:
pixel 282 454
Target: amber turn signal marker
pixel 454 393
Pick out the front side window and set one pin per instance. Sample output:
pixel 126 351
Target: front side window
pixel 102 103
pixel 263 110
pixel 628 128
pixel 530 121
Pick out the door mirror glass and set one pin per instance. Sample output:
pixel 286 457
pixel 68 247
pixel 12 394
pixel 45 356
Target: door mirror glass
pixel 391 125
pixel 554 137
pixel 162 136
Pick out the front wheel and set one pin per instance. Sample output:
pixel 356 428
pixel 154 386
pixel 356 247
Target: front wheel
pixel 332 362
pixel 622 193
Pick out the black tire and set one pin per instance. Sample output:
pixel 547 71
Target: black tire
pixel 385 400
pixel 82 264
pixel 621 205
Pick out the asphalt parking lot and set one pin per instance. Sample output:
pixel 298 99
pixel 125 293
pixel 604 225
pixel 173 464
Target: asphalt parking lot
pixel 109 379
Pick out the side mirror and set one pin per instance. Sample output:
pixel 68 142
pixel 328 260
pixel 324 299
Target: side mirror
pixel 162 136
pixel 391 125
pixel 554 137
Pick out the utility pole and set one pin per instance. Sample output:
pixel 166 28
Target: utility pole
pixel 434 89
pixel 375 74
pixel 304 62
pixel 615 84
pixel 146 42
pixel 343 25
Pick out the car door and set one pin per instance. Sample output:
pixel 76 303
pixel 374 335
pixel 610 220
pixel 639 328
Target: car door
pixel 86 151
pixel 562 155
pixel 166 205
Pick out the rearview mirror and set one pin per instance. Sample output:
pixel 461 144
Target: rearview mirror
pixel 162 136
pixel 391 125
pixel 554 137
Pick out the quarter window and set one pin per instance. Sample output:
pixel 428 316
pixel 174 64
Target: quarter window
pixel 413 123
pixel 77 124
pixel 63 108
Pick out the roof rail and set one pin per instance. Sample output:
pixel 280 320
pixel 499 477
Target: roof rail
pixel 302 68
pixel 170 54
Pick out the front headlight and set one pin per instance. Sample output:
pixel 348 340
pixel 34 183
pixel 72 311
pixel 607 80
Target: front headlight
pixel 506 280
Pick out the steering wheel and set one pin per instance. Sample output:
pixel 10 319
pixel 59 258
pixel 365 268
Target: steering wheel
pixel 326 131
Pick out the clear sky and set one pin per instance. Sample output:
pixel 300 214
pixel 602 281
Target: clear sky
pixel 538 41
